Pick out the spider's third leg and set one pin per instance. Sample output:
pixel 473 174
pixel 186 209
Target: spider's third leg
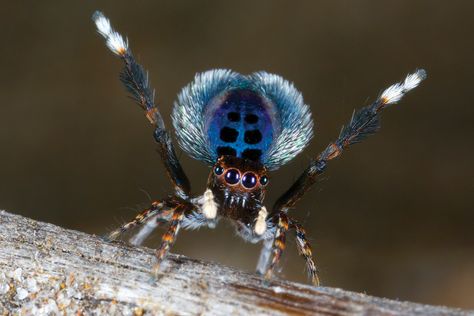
pixel 363 123
pixel 150 225
pixel 140 219
pixel 278 243
pixel 304 250
pixel 169 237
pixel 135 80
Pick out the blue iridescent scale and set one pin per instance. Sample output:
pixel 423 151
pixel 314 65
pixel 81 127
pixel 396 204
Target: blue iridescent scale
pixel 241 123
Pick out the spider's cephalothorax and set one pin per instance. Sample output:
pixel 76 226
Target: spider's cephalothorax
pixel 237 186
pixel 242 127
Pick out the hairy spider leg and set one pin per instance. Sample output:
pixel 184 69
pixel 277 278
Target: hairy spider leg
pixel 147 228
pixel 192 220
pixel 149 225
pixel 273 248
pixel 363 123
pixel 304 249
pixel 279 243
pixel 135 80
pixel 141 218
pixel 168 239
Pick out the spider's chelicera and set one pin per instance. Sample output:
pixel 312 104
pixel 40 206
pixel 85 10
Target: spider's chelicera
pixel 244 127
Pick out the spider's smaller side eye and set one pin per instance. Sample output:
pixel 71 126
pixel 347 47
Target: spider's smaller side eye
pixel 232 176
pixel 264 180
pixel 218 170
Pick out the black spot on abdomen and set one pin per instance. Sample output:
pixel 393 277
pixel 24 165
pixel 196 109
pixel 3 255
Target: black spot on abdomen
pixel 229 135
pixel 251 118
pixel 226 151
pixel 233 116
pixel 252 154
pixel 253 137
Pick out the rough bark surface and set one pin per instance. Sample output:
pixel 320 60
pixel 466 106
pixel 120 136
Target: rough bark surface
pixel 46 269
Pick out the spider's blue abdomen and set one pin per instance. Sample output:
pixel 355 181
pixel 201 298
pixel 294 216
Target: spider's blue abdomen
pixel 241 123
pixel 259 117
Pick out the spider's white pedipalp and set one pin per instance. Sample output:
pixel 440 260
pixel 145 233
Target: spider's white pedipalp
pixel 261 223
pixel 115 42
pixel 209 205
pixel 395 92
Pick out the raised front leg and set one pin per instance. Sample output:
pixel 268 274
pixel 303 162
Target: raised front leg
pixel 363 123
pixel 135 79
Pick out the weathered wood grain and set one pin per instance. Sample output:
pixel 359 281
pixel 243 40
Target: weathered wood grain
pixel 46 269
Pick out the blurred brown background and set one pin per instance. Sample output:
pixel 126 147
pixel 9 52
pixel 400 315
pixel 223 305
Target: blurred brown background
pixel 393 217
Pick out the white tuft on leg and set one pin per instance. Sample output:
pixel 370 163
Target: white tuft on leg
pixel 261 223
pixel 114 40
pixel 395 92
pixel 209 206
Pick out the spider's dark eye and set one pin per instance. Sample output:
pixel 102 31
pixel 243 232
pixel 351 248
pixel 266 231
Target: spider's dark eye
pixel 218 170
pixel 232 176
pixel 264 180
pixel 249 180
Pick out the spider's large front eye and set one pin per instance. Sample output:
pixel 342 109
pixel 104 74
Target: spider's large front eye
pixel 232 176
pixel 249 180
pixel 218 170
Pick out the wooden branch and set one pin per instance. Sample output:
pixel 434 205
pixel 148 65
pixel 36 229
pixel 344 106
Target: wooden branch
pixel 46 269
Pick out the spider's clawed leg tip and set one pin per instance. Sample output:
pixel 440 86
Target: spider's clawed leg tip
pixel 107 238
pixel 134 242
pixel 268 275
pixel 112 236
pixel 156 271
pixel 267 280
pixel 316 282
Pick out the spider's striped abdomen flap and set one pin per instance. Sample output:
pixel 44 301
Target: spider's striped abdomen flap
pixel 260 117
